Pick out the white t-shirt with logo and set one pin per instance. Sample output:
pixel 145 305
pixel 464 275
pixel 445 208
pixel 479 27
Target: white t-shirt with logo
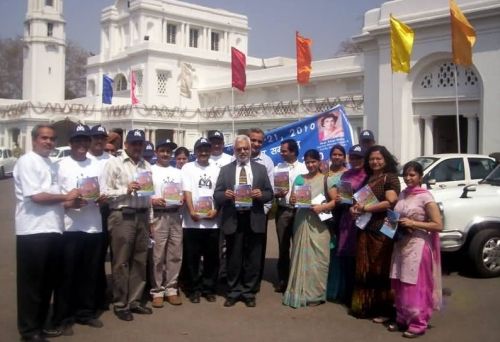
pixel 221 160
pixel 34 174
pixel 88 218
pixel 162 175
pixel 200 181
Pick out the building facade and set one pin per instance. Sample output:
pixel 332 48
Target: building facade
pixel 180 54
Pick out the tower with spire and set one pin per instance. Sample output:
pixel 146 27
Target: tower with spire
pixel 44 51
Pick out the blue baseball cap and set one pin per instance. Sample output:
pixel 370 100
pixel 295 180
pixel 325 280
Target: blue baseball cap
pixel 135 135
pixel 80 130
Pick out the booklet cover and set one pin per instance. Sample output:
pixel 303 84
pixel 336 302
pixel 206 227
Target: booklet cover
pixel 302 196
pixel 89 188
pixel 203 205
pixel 390 224
pixel 365 196
pixel 281 181
pixel 242 196
pixel 363 220
pixel 345 192
pixel 172 193
pixel 145 180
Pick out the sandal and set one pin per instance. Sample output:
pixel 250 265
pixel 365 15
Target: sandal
pixel 409 334
pixel 393 326
pixel 380 320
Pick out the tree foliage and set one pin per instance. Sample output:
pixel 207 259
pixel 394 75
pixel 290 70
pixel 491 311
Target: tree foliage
pixel 348 47
pixel 11 66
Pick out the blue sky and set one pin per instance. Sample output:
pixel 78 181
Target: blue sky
pixel 273 22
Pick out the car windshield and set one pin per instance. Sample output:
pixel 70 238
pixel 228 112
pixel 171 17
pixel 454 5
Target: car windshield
pixel 54 152
pixel 424 161
pixel 494 177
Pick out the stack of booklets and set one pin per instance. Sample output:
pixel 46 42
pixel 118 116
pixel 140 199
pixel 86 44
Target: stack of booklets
pixel 172 193
pixel 203 205
pixel 345 192
pixel 302 196
pixel 365 196
pixel 281 181
pixel 89 188
pixel 145 180
pixel 390 224
pixel 243 196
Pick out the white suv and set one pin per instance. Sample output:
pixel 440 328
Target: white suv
pixel 454 170
pixel 7 162
pixel 471 217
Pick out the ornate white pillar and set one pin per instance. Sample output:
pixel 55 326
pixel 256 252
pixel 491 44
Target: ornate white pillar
pixel 28 142
pixel 153 136
pixel 471 134
pixel 428 135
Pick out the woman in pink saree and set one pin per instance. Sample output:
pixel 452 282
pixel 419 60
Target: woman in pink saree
pixel 416 261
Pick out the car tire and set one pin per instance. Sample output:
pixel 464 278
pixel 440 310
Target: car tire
pixel 2 172
pixel 484 251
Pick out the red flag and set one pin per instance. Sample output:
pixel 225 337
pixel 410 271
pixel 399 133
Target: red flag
pixel 238 65
pixel 132 88
pixel 303 58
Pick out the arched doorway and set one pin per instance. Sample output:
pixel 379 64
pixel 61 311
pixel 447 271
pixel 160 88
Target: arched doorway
pixel 433 101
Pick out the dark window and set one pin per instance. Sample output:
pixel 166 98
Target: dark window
pixel 171 33
pixel 193 38
pixel 50 29
pixel 214 44
pixel 480 167
pixel 49 3
pixel 448 170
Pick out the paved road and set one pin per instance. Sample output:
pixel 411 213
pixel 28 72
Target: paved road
pixel 471 313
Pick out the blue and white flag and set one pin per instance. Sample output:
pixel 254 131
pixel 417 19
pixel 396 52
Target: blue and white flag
pixel 107 89
pixel 320 132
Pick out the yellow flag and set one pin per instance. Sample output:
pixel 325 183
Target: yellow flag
pixel 463 36
pixel 401 45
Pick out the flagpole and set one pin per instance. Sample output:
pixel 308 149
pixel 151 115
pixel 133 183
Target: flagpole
pixel 232 110
pixel 456 109
pixel 298 96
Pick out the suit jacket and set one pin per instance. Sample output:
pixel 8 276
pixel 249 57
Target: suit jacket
pixel 226 181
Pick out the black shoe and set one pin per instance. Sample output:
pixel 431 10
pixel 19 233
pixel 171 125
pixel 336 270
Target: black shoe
pixel 195 298
pixel 34 338
pixel 141 310
pixel 230 302
pixel 93 322
pixel 124 315
pixel 53 332
pixel 250 302
pixel 280 287
pixel 210 297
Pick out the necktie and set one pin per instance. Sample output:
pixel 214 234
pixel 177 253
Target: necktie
pixel 243 175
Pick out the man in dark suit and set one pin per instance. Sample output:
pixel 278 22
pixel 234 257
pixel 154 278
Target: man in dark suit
pixel 243 227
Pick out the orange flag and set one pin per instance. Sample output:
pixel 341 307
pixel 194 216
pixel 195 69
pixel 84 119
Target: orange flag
pixel 303 58
pixel 463 36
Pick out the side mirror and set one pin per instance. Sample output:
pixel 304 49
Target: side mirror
pixel 430 183
pixel 467 189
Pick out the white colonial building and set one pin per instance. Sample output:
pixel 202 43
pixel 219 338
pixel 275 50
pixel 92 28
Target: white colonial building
pixel 180 54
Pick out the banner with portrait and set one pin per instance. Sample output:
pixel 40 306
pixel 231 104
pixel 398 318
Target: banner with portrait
pixel 320 131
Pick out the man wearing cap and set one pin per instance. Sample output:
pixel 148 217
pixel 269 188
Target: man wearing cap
pixel 366 139
pixel 200 225
pixel 285 214
pixel 218 157
pixel 97 153
pixel 244 228
pixel 75 297
pixel 167 227
pixel 128 225
pixel 39 225
pixel 149 152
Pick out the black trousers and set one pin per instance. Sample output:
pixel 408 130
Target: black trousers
pixel 102 284
pixel 284 229
pixel 244 259
pixel 38 259
pixel 198 243
pixel 75 296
